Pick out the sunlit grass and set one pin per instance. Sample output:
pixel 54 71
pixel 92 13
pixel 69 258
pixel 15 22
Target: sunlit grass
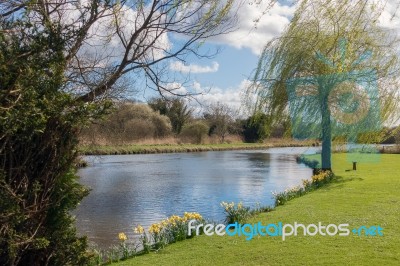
pixel 141 148
pixel 368 196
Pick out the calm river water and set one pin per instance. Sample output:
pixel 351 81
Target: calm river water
pixel 142 189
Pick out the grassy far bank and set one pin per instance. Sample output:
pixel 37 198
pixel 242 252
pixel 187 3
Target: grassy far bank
pixel 174 147
pixel 369 196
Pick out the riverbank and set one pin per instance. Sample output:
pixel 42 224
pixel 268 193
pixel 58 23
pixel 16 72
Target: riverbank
pixel 368 196
pixel 173 148
pixel 394 149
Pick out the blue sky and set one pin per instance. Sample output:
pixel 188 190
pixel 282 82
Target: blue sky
pixel 229 67
pixel 225 76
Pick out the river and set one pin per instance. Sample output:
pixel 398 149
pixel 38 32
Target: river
pixel 142 189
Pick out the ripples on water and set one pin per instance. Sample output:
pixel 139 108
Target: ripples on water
pixel 142 189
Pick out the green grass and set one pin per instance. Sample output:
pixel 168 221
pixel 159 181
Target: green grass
pixel 368 196
pixel 170 148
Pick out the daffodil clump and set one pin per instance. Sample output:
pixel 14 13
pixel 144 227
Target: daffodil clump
pixel 315 182
pixel 322 177
pixel 235 213
pixel 282 197
pixel 121 252
pixel 158 235
pixel 173 229
pixel 145 243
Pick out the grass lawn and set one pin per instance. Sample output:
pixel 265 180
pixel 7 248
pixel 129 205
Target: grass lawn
pixel 165 148
pixel 173 147
pixel 369 196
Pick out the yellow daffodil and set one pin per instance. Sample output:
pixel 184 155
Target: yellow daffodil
pixel 164 223
pixel 227 206
pixel 190 216
pixel 155 229
pixel 139 229
pixel 122 236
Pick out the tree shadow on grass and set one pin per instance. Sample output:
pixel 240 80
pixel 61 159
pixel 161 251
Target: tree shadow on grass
pixel 340 181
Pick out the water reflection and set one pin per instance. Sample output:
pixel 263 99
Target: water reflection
pixel 141 189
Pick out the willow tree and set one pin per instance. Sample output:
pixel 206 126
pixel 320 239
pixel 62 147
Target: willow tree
pixel 60 62
pixel 333 71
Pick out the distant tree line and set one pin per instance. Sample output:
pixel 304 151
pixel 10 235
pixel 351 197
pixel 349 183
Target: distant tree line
pixel 130 122
pixel 162 118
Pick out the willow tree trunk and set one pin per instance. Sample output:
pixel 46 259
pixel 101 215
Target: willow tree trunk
pixel 326 134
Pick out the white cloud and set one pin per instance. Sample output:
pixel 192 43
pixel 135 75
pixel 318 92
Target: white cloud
pixel 270 25
pixel 273 23
pixel 232 97
pixel 204 96
pixel 193 68
pixel 175 88
pixel 390 16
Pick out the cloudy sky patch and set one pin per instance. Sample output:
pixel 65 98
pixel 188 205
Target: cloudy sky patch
pixel 193 68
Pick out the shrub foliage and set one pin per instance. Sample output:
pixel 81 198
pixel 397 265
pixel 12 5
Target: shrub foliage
pixel 38 127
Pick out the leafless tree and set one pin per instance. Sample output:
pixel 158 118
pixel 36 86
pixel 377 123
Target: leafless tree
pixel 220 118
pixel 110 44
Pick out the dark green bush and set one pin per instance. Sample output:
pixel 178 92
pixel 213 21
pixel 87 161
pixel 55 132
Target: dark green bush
pixel 39 123
pixel 256 128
